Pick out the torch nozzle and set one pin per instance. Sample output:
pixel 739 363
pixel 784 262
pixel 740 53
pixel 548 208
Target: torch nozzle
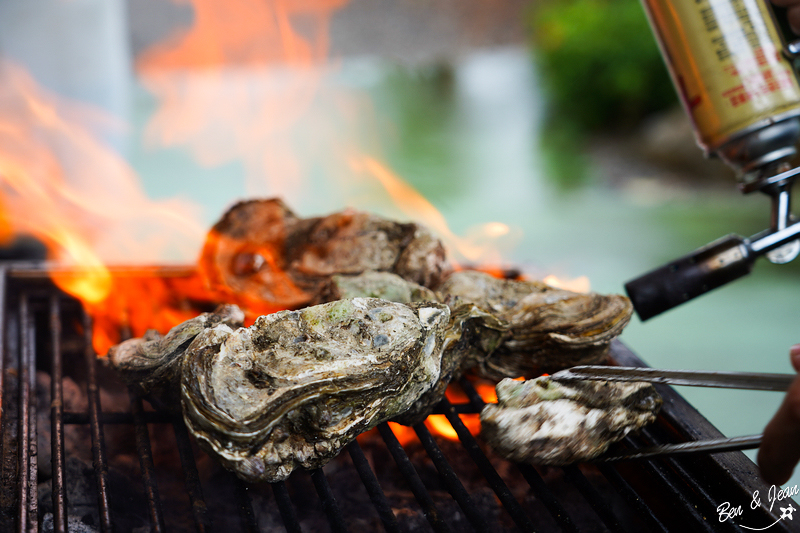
pixel 707 268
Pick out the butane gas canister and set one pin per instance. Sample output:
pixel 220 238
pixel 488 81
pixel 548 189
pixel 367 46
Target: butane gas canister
pixel 727 62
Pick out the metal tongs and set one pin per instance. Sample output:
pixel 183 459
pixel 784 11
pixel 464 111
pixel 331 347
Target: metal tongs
pixel 693 378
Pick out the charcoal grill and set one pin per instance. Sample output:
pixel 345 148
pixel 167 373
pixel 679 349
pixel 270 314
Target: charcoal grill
pixel 143 472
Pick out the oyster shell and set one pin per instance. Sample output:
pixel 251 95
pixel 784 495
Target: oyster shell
pixel 152 364
pixel 471 332
pixel 548 329
pixel 261 253
pixel 293 389
pixel 372 284
pixel 543 421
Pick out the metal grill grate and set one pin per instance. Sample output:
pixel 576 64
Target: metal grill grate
pixel 379 484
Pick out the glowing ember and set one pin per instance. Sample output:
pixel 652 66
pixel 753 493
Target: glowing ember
pixel 439 425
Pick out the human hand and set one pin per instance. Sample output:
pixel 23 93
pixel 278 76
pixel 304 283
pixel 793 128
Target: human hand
pixel 780 448
pixel 792 13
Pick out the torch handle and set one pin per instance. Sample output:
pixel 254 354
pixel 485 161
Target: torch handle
pixel 690 276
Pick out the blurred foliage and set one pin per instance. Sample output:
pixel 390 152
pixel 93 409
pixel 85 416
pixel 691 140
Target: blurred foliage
pixel 566 165
pixel 599 62
pixel 418 108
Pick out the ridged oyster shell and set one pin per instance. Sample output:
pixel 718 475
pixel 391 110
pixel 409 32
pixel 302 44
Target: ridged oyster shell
pixel 543 421
pixel 293 389
pixel 505 328
pixel 471 332
pixel 547 329
pixel 152 364
pixel 261 254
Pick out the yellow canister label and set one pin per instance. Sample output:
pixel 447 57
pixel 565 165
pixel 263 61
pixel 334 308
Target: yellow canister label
pixel 726 62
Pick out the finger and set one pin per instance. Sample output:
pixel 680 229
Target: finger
pixel 779 451
pixel 793 16
pixel 794 356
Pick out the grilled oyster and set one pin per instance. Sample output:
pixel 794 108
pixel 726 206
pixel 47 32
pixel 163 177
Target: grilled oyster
pixel 471 331
pixel 373 284
pixel 152 364
pixel 297 386
pixel 543 421
pixel 548 329
pixel 261 253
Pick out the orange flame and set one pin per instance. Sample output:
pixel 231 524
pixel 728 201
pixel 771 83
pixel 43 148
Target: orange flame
pixel 479 246
pixel 217 100
pixel 579 284
pixel 62 185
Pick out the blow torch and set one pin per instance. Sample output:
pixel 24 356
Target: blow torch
pixel 735 77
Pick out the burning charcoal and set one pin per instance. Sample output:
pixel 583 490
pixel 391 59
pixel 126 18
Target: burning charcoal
pixel 293 389
pixel 543 421
pixel 151 363
pixel 261 254
pixel 74 525
pixel 548 329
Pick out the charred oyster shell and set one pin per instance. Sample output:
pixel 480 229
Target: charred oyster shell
pixel 543 421
pixel 548 329
pixel 260 253
pixel 297 386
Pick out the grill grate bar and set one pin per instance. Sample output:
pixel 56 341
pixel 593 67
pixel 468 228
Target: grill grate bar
pixel 413 479
pixel 23 426
pixel 595 499
pixel 8 423
pixel 329 504
pixel 657 471
pixel 450 479
pixel 28 513
pixel 56 420
pixel 374 490
pixel 3 273
pixel 98 439
pixel 518 515
pixel 535 481
pixel 249 522
pixel 707 501
pixel 633 499
pixel 546 496
pixel 145 454
pixel 148 417
pixel 286 507
pixel 191 476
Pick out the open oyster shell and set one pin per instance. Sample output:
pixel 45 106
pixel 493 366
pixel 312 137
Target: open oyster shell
pixel 260 253
pixel 297 386
pixel 548 329
pixel 543 421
